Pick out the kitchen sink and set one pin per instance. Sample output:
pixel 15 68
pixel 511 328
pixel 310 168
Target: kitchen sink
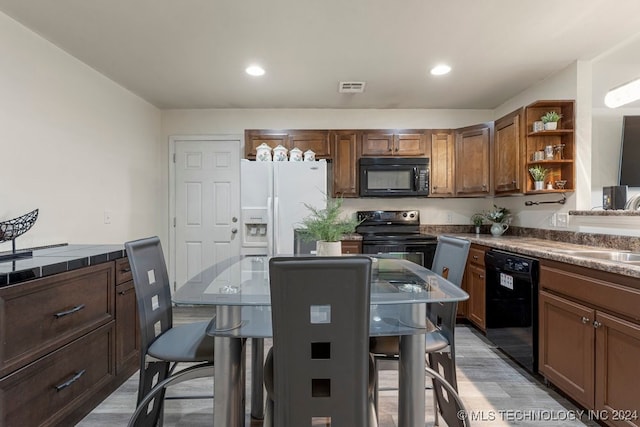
pixel 621 256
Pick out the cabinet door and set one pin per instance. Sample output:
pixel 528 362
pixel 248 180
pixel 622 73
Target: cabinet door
pixel 476 283
pixel 507 149
pixel 377 144
pixel 617 369
pixel 409 144
pixel 442 166
pixel 316 141
pixel 472 160
pixel 127 327
pixel 567 346
pixel 254 138
pixel 345 176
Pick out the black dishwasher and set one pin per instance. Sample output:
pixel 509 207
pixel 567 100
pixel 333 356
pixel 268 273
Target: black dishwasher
pixel 512 306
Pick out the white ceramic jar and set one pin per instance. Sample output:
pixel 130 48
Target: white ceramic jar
pixel 309 156
pixel 263 153
pixel 295 155
pixel 280 154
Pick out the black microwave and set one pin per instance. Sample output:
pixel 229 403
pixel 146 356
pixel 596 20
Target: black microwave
pixel 394 176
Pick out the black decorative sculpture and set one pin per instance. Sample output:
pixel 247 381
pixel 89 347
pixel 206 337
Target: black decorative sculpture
pixel 13 228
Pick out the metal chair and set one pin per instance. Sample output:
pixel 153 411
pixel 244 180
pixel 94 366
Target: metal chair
pixel 449 262
pixel 319 367
pixel 162 345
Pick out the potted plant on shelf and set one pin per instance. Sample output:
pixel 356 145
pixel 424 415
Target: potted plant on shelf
pixel 550 120
pixel 538 173
pixel 327 227
pixel 500 218
pixel 477 219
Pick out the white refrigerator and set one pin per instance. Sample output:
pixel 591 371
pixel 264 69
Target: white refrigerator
pixel 273 197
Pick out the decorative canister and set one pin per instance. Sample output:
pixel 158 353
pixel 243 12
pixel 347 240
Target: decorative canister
pixel 263 153
pixel 309 156
pixel 295 155
pixel 538 126
pixel 280 154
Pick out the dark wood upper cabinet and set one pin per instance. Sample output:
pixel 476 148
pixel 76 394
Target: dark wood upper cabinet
pixel 344 147
pixel 314 140
pixel 508 158
pixel 442 163
pixel 473 163
pixel 388 143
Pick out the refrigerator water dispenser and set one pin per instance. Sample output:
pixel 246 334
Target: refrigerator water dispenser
pixel 254 223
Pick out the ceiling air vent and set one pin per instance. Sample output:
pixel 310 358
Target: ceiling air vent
pixel 351 87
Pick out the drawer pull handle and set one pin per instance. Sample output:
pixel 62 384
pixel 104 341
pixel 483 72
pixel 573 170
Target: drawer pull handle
pixel 585 320
pixel 125 270
pixel 596 324
pixel 475 257
pixel 126 291
pixel 71 311
pixel 70 381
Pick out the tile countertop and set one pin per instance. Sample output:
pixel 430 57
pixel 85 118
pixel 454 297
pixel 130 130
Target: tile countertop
pixel 543 248
pixel 57 259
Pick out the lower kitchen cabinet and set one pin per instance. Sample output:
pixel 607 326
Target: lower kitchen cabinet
pixel 590 339
pixel 475 286
pixel 351 247
pixel 127 325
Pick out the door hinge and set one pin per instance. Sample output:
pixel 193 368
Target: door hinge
pixel 174 222
pixel 175 286
pixel 174 157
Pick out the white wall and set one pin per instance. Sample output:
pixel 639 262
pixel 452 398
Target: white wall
pixel 74 144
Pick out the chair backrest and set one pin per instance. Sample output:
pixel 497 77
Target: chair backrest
pixel 320 315
pixel 153 292
pixel 450 258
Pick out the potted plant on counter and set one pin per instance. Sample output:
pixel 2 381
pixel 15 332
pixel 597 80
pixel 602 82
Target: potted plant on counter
pixel 327 226
pixel 538 173
pixel 550 120
pixel 500 218
pixel 477 219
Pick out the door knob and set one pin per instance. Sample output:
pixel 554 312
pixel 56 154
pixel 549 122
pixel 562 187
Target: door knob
pixel 234 230
pixel 234 219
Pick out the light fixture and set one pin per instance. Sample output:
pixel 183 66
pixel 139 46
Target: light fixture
pixel 440 69
pixel 254 70
pixel 623 94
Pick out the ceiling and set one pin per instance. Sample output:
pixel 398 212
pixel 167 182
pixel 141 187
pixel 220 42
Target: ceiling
pixel 192 53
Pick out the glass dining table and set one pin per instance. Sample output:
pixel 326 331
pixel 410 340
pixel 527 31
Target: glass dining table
pixel 239 289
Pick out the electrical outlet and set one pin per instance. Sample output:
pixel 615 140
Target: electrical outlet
pixel 107 217
pixel 562 220
pixel 553 220
pixel 449 217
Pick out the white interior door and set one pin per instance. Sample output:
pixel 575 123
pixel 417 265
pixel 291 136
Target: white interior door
pixel 206 206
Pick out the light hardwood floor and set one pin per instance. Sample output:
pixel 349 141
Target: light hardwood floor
pixel 494 389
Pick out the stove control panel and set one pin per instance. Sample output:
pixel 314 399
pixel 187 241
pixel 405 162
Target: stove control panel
pixel 389 217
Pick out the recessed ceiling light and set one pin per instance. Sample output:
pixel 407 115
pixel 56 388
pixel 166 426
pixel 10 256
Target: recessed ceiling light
pixel 255 70
pixel 441 69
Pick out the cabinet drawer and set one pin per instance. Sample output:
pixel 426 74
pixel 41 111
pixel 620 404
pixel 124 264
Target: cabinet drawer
pixel 351 247
pixel 476 255
pixel 38 317
pixel 123 271
pixel 46 391
pixel 591 287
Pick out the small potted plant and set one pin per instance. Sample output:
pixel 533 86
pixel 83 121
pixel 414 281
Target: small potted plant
pixel 550 120
pixel 327 226
pixel 538 173
pixel 500 217
pixel 477 219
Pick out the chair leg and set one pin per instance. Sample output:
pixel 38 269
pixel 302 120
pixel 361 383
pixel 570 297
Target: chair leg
pixel 436 418
pixel 158 370
pixel 268 413
pixel 139 418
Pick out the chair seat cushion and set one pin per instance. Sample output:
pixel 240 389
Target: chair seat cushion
pixel 390 346
pixel 184 343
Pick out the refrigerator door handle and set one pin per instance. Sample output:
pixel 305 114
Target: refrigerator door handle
pixel 276 231
pixel 270 233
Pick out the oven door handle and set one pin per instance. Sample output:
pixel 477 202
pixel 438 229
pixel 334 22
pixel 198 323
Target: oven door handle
pixel 415 179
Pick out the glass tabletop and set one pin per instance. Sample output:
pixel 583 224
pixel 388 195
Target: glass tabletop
pixel 244 281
